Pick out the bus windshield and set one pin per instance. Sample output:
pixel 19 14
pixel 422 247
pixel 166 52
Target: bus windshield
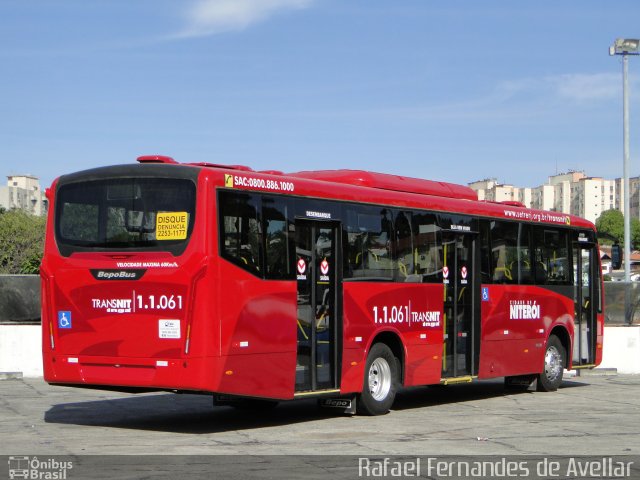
pixel 125 214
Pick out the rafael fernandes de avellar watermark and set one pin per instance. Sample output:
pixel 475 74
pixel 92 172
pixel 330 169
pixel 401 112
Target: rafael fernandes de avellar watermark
pixel 567 467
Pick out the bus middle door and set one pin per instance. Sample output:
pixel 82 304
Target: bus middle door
pixel 318 280
pixel 461 322
pixel 587 301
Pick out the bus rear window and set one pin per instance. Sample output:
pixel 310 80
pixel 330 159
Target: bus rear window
pixel 125 214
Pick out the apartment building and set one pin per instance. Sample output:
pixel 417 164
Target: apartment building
pixel 572 192
pixel 492 191
pixel 591 196
pixel 634 196
pixel 23 192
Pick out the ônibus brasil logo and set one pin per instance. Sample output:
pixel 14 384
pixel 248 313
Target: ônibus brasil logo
pixel 49 468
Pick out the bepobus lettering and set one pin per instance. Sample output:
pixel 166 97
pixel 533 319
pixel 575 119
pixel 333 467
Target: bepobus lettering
pixel 110 275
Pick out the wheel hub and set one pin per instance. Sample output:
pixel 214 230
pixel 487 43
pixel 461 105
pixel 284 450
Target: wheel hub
pixel 379 379
pixel 552 364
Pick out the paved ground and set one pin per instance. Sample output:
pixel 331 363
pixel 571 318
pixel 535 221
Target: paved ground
pixel 184 437
pixel 590 415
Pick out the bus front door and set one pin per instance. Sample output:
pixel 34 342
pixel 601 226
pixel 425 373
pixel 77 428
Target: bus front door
pixel 318 279
pixel 587 299
pixel 460 297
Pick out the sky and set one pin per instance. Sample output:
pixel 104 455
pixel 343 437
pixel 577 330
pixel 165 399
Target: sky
pixel 456 90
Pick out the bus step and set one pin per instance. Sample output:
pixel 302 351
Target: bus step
pixel 455 380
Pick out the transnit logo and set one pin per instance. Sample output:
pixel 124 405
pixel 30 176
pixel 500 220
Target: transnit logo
pixel 112 305
pixel 117 274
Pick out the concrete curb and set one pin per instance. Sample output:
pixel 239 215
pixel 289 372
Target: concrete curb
pixel 598 372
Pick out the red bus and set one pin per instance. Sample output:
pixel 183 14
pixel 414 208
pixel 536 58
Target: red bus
pixel 259 286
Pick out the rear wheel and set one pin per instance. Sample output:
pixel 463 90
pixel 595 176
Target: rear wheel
pixel 380 381
pixel 554 361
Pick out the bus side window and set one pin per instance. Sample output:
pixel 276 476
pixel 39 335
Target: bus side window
pixel 485 252
pixel 352 244
pixel 369 235
pixel 540 257
pixel 377 249
pixel 240 230
pixel 504 252
pixel 279 238
pixel 510 253
pixel 551 256
pixel 426 244
pixel 524 268
pixel 403 251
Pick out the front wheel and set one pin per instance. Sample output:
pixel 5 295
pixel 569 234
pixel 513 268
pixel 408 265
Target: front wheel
pixel 554 361
pixel 380 381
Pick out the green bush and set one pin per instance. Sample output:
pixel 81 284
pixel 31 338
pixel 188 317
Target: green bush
pixel 21 242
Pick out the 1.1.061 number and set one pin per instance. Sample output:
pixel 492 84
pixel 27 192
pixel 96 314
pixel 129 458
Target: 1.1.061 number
pixel 394 314
pixel 162 302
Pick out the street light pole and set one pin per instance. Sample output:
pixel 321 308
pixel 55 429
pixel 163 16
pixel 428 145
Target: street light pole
pixel 625 169
pixel 626 47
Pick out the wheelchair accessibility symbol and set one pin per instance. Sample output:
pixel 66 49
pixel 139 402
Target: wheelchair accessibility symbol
pixel 485 294
pixel 64 319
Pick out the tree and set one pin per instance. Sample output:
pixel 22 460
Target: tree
pixel 635 233
pixel 612 222
pixel 21 242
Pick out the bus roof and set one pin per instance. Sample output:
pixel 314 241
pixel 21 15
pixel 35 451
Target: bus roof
pixel 463 198
pixel 385 181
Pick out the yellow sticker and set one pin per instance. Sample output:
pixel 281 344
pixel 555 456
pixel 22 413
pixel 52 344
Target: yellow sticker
pixel 228 180
pixel 171 225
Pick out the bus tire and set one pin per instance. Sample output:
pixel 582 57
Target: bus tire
pixel 381 375
pixel 554 361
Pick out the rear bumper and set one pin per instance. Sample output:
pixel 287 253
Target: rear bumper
pixel 198 374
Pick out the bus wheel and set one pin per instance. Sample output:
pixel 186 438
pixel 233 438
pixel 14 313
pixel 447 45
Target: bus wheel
pixel 554 361
pixel 380 382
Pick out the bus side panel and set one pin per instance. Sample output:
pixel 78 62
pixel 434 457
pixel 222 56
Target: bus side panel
pixel 516 321
pixel 268 375
pixel 423 364
pixel 46 322
pixel 414 312
pixel 202 336
pixel 258 331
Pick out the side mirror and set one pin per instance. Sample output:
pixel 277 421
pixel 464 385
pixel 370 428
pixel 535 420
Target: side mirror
pixel 616 256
